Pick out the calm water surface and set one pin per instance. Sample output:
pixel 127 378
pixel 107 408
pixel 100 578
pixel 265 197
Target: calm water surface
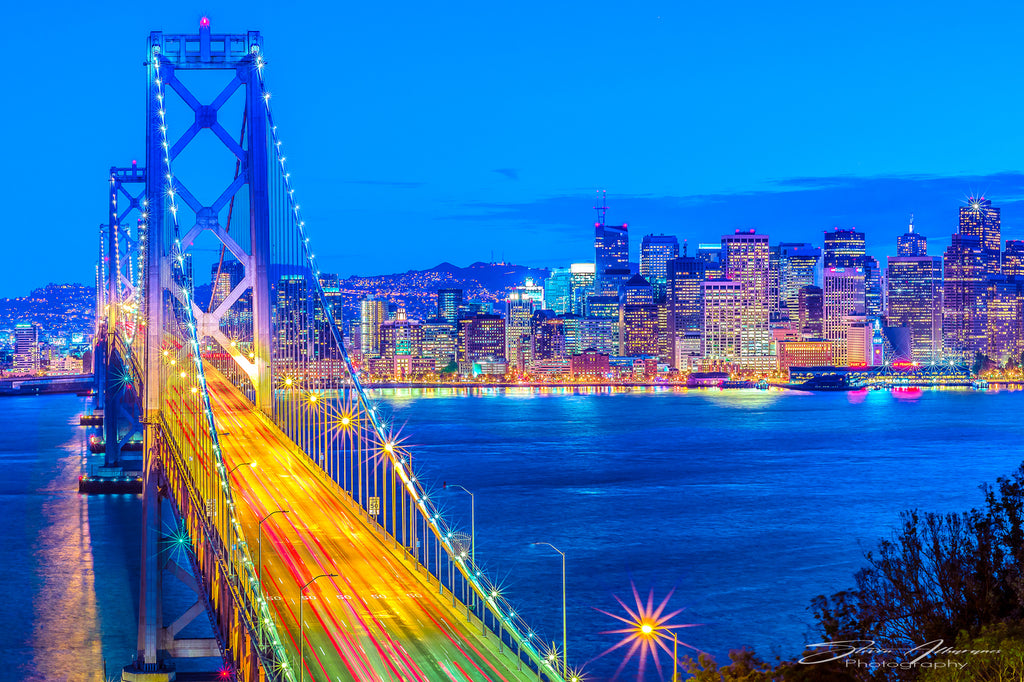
pixel 746 503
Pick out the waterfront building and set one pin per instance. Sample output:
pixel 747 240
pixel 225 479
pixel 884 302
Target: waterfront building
pixel 372 313
pixel 859 335
pixel 844 249
pixel 979 219
pixel 590 364
pixel 480 336
pixel 656 250
pixel 797 265
pixel 842 297
pixel 803 353
pixel 914 301
pixel 558 291
pixel 27 348
pixel 810 311
pixel 711 255
pixel 746 262
pixel 448 303
pixel 683 300
pixel 963 305
pixel 1013 258
pixel 439 342
pixel 1004 318
pixel 581 276
pixel 723 319
pixel 547 338
pixel 519 309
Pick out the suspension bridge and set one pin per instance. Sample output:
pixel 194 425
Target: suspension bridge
pixel 272 488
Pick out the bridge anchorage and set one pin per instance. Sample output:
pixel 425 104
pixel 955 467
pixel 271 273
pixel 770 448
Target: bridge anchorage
pixel 298 521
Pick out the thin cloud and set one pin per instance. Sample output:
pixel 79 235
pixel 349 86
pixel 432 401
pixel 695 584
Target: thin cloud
pixel 510 173
pixel 399 184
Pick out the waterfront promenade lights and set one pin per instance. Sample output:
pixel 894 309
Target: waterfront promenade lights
pixel 302 650
pixel 259 556
pixel 565 639
pixel 472 541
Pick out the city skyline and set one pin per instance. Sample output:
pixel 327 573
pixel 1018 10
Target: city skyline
pixel 512 146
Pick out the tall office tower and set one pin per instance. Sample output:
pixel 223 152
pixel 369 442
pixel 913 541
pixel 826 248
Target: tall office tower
pixel 683 300
pixel 439 342
pixel 448 303
pixel 611 246
pixel 1005 317
pixel 915 302
pixel 981 220
pixel 911 244
pixel 610 282
pixel 774 316
pixel 27 355
pixel 723 319
pixel 656 250
pixel 844 249
pixel 481 337
pixel 842 298
pixel 529 290
pixel 291 322
pixel 401 336
pixel 600 334
pixel 333 297
pixel 603 307
pixel 963 298
pixel 1013 258
pixel 797 265
pixel 581 276
pixel 638 318
pixel 746 261
pixel 547 337
pixel 372 313
pixel 558 291
pixel 811 314
pixel 714 265
pixel 572 328
pixel 224 278
pixel 872 287
pixel 519 309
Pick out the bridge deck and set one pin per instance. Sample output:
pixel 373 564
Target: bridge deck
pixel 379 619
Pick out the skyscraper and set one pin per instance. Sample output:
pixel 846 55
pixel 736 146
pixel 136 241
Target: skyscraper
pixel 1005 317
pixel 842 298
pixel 582 277
pixel 723 319
pixel 915 301
pixel 981 220
pixel 638 318
pixel 683 299
pixel 963 298
pixel 558 291
pixel 911 244
pixel 872 287
pixel 844 249
pixel 1013 258
pixel 746 260
pixel 611 246
pixel 811 312
pixel 27 342
pixel 291 323
pixel 448 302
pixel 797 265
pixel 519 309
pixel 372 313
pixel 656 250
pixel 714 265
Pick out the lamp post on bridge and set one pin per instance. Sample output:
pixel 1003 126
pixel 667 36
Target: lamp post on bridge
pixel 238 466
pixel 259 560
pixel 472 541
pixel 302 641
pixel 565 639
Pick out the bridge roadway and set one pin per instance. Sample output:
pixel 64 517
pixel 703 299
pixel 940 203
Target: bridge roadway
pixel 379 619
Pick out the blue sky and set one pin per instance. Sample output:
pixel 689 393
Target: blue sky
pixel 418 134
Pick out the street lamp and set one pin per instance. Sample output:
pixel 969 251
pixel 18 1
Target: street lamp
pixel 565 639
pixel 237 466
pixel 472 546
pixel 259 557
pixel 675 656
pixel 302 642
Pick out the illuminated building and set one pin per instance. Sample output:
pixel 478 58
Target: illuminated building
pixel 372 313
pixel 291 321
pixel 605 307
pixel 332 295
pixel 809 353
pixel 27 355
pixel 572 329
pixel 547 338
pixel 963 298
pixel 723 319
pixel 980 219
pixel 530 291
pixel 590 363
pixel 656 250
pixel 746 262
pixel 519 310
pixel 601 334
pixel 1005 318
pixel 611 247
pixel 842 297
pixel 711 254
pixel 439 342
pixel 401 336
pixel 773 285
pixel 448 303
pixel 638 319
pixel 237 320
pixel 581 276
pixel 558 291
pixel 859 341
pixel 844 249
pixel 480 337
pixel 1013 258
pixel 911 244
pixel 683 300
pixel 914 301
pixel 872 287
pixel 797 265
